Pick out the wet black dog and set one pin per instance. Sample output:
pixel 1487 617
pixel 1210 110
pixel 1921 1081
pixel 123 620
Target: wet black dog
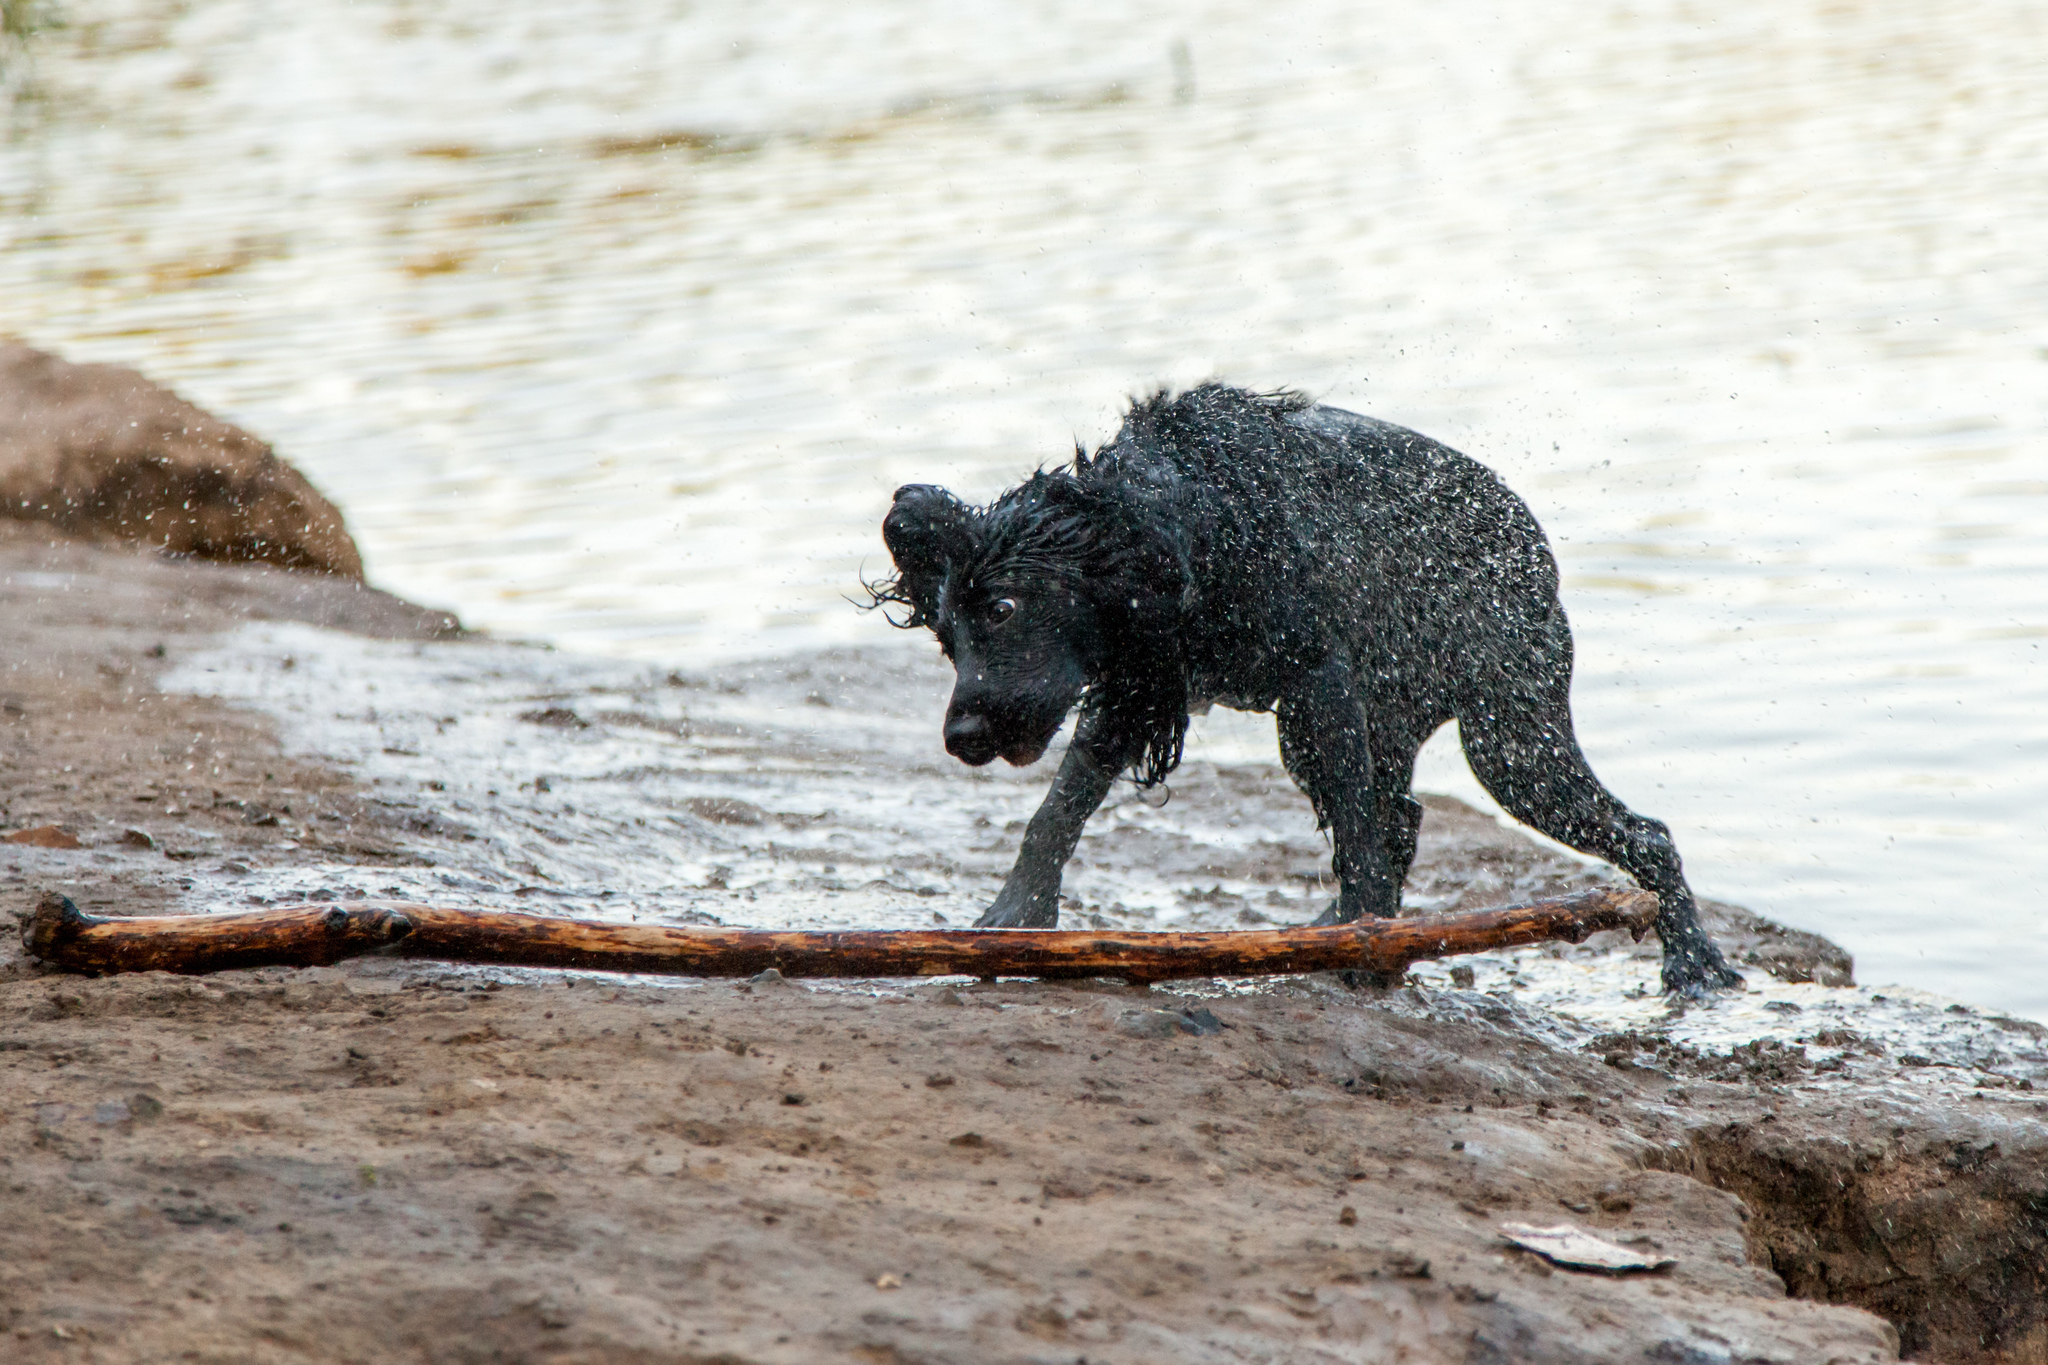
pixel 1265 553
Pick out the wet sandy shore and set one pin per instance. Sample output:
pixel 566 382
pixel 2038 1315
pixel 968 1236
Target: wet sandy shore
pixel 388 1161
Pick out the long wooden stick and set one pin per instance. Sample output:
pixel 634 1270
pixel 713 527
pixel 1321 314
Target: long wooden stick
pixel 316 935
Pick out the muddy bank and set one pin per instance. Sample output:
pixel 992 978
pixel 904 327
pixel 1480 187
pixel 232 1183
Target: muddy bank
pixel 391 1162
pixel 99 451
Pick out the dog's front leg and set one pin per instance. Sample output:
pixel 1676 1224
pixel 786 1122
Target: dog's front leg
pixel 1030 899
pixel 1327 748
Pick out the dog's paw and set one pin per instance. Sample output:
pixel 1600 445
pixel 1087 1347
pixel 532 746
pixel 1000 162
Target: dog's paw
pixel 1698 973
pixel 1021 912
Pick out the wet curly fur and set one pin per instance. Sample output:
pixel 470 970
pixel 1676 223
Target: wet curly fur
pixel 1266 553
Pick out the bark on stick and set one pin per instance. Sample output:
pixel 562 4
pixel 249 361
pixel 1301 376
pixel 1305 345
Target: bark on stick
pixel 319 934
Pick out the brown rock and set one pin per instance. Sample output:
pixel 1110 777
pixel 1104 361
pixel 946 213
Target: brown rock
pixel 101 452
pixel 42 836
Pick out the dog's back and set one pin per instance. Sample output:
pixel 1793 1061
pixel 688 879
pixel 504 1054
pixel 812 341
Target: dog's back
pixel 1309 523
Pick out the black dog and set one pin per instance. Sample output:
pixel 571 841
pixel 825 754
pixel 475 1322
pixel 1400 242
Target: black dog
pixel 1259 551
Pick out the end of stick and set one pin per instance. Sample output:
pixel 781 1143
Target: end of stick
pixel 53 923
pixel 1639 910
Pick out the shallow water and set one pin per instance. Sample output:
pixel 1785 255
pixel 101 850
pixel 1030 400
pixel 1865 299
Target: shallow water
pixel 615 325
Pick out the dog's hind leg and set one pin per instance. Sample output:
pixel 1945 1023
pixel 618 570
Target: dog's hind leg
pixel 1523 751
pixel 1030 898
pixel 1327 748
pixel 1396 739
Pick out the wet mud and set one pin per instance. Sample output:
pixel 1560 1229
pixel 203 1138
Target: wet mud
pixel 100 451
pixel 397 1161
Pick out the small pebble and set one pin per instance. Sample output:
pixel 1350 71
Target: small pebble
pixel 1154 1024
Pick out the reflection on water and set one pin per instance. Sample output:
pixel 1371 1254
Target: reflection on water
pixel 615 325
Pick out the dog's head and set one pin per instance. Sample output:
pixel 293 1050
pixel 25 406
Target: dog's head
pixel 1052 592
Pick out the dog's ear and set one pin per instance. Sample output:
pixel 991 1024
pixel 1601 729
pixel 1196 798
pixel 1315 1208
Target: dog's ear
pixel 927 530
pixel 1140 582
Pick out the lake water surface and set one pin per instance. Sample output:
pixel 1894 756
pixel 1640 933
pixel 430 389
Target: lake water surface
pixel 614 325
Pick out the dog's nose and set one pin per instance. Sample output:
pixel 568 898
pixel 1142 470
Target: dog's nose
pixel 968 739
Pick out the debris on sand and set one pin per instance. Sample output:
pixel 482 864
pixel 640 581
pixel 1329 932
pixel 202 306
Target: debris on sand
pixel 1576 1249
pixel 43 836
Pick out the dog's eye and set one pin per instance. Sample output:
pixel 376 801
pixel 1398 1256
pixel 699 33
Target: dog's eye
pixel 1001 610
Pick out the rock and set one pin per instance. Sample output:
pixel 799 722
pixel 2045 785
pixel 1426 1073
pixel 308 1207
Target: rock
pixel 1406 1265
pixel 556 717
pixel 102 453
pixel 42 836
pixel 1153 1024
pixel 1168 1023
pixel 726 810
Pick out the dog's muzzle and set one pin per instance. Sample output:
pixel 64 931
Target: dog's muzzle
pixel 972 740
